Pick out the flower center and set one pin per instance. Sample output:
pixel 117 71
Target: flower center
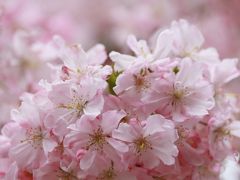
pixel 34 136
pixel 183 132
pixel 60 148
pixel 179 92
pixel 64 175
pixel 140 79
pixel 108 174
pixel 77 104
pixel 177 95
pixel 141 144
pixel 97 139
pixel 221 133
pixel 175 70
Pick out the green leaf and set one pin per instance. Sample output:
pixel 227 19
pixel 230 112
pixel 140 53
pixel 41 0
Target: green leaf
pixel 112 81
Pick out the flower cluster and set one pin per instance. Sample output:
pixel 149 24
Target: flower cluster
pixel 167 111
pixel 26 26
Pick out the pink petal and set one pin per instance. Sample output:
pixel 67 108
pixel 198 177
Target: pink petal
pixel 97 55
pixel 121 61
pixel 95 106
pixel 125 133
pixel 149 160
pixel 119 146
pixel 111 119
pixel 163 45
pixel 123 83
pixel 24 154
pixel 155 124
pixel 164 155
pixel 87 160
pixel 48 145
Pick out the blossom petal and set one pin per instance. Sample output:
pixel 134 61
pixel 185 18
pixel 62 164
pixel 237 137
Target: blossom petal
pixel 111 119
pixel 119 146
pixel 87 160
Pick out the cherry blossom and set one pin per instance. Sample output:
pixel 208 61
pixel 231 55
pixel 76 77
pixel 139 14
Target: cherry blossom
pixel 169 110
pixel 153 142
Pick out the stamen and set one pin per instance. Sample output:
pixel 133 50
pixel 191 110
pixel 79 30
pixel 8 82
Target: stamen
pixel 179 92
pixel 64 175
pixel 34 137
pixel 141 81
pixel 142 144
pixel 176 70
pixel 221 132
pixel 177 95
pixel 183 132
pixel 97 139
pixel 108 174
pixel 77 104
pixel 60 148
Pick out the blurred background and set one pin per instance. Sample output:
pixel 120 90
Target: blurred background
pixel 27 25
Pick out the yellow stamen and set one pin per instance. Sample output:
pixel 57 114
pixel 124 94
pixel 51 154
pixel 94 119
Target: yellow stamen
pixel 141 145
pixel 97 139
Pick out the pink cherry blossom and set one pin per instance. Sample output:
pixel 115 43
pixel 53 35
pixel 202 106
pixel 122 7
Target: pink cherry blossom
pixel 77 99
pixel 32 141
pixel 183 94
pixel 151 143
pixel 79 64
pixel 95 137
